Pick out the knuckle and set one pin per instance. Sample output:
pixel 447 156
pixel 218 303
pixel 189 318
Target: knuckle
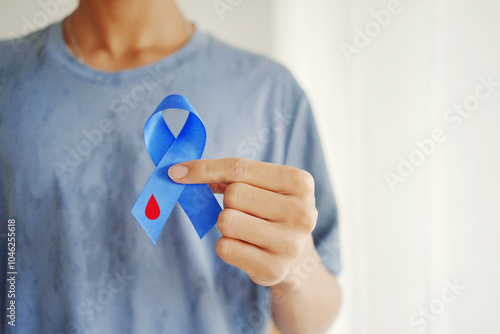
pixel 314 215
pixel 307 216
pixel 231 195
pixel 276 271
pixel 307 180
pixel 273 275
pixel 222 248
pixel 225 221
pixel 293 176
pixel 302 181
pixel 239 169
pixel 301 212
pixel 294 245
pixel 300 208
pixel 310 219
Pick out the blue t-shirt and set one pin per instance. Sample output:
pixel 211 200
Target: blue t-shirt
pixel 73 162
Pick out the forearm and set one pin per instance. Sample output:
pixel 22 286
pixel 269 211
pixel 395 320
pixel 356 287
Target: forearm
pixel 309 300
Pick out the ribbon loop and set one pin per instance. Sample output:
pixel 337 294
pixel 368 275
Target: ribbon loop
pixel 158 198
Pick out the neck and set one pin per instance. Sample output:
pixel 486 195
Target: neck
pixel 120 34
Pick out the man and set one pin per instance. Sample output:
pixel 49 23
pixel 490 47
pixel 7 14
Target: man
pixel 74 98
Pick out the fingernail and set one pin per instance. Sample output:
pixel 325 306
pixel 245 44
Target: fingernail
pixel 177 171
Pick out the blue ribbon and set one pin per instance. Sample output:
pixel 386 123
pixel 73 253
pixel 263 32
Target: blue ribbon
pixel 157 199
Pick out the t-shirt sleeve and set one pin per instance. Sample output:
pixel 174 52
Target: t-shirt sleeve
pixel 304 151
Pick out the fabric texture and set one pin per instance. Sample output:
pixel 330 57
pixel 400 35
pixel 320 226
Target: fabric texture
pixel 73 161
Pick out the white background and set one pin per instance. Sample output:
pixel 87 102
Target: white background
pixel 442 223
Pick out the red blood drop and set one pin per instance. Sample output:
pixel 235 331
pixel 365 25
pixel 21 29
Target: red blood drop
pixel 152 209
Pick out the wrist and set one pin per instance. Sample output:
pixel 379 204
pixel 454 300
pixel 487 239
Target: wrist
pixel 303 268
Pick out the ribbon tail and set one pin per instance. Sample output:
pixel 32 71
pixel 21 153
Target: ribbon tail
pixel 166 192
pixel 201 206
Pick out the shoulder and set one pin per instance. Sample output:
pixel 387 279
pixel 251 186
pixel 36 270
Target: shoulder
pixel 17 52
pixel 244 65
pixel 239 58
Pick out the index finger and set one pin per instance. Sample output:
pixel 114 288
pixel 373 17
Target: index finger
pixel 274 177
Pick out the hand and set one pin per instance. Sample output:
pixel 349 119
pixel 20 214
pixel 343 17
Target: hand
pixel 269 213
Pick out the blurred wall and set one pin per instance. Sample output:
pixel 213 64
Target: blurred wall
pixel 407 96
pixel 409 137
